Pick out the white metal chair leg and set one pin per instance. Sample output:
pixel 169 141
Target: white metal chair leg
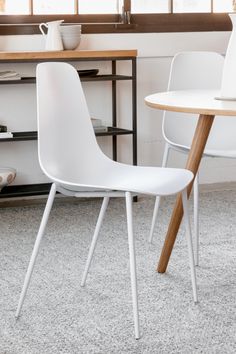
pixel 190 245
pixel 128 199
pixel 36 247
pixel 95 237
pixel 158 199
pixel 196 218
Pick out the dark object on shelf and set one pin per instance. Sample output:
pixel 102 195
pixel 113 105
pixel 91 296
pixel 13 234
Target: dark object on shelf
pixel 3 128
pixel 105 77
pixel 33 135
pixel 89 72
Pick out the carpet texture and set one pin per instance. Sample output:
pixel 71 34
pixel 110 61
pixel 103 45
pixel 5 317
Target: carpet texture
pixel 59 316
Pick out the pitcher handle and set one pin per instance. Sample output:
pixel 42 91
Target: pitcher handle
pixel 41 28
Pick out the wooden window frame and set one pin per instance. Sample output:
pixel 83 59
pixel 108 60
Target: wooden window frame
pixel 139 23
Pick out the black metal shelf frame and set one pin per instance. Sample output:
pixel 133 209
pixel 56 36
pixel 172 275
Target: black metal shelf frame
pixel 113 131
pixel 32 80
pixel 33 135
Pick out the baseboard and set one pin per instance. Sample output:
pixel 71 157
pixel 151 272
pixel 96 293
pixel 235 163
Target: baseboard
pixel 211 187
pixel 35 200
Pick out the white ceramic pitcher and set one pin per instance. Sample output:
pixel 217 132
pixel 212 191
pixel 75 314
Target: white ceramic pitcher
pixel 228 86
pixel 53 37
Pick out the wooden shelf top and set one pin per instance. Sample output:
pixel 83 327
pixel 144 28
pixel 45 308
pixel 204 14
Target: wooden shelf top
pixel 66 54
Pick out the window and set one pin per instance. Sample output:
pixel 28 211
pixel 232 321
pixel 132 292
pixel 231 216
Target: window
pixel 150 6
pixel 20 7
pixel 105 16
pixel 39 7
pixel 99 7
pixel 181 6
pixel 223 6
pixel 9 7
pixel 191 6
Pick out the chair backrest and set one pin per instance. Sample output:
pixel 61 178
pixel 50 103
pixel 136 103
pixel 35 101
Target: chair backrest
pixel 67 145
pixel 197 70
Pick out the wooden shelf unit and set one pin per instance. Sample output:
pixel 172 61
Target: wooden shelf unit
pixel 81 55
pixel 32 80
pixel 67 55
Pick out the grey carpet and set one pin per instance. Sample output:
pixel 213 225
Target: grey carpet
pixel 61 317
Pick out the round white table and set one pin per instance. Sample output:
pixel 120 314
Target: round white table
pixel 204 103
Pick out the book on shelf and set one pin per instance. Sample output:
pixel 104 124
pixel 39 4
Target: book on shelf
pixel 96 122
pixel 98 126
pixel 3 128
pixel 6 135
pixel 100 129
pixel 9 75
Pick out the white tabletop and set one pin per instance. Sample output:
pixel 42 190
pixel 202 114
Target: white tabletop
pixel 192 101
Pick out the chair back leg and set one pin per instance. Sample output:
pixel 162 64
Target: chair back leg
pixel 36 247
pixel 128 198
pixel 158 199
pixel 190 245
pixel 95 237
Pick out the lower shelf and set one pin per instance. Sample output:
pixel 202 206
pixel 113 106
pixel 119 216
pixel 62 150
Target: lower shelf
pixel 29 190
pixel 24 136
pixel 43 188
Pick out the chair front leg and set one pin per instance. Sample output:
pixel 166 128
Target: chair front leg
pixel 190 244
pixel 128 199
pixel 95 237
pixel 36 247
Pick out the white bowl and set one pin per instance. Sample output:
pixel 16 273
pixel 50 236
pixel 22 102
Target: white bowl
pixel 7 176
pixel 75 35
pixel 70 29
pixel 71 42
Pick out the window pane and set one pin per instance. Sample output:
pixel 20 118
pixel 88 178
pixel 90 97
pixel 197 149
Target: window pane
pixel 53 6
pixel 223 6
pixel 11 7
pixel 192 5
pixel 150 6
pixel 99 6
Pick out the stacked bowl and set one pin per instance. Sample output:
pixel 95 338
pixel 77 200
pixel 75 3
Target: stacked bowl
pixel 71 36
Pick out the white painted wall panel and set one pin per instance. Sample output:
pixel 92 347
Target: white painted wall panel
pixel 18 111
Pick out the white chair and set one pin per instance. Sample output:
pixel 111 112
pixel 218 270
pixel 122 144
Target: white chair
pixel 71 158
pixel 195 70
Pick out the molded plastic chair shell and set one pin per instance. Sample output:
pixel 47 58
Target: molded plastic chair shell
pixel 195 70
pixel 70 156
pixel 198 70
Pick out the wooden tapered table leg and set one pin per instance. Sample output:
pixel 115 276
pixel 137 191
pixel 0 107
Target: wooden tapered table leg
pixel 194 158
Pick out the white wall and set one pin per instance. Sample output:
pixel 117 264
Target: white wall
pixel 155 51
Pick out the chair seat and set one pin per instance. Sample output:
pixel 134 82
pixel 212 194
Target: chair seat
pixel 138 179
